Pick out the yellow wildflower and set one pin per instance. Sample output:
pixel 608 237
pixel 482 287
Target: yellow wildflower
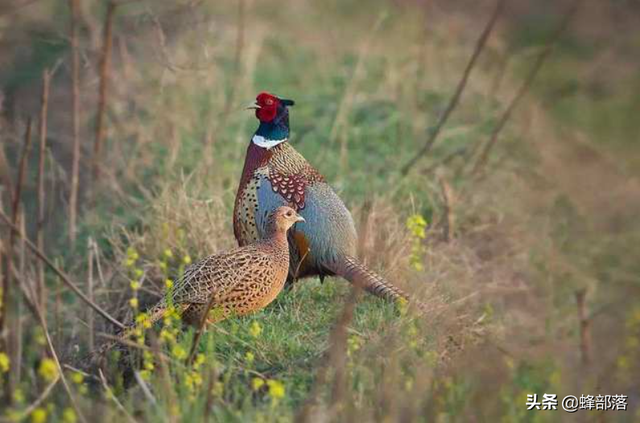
pixel 167 253
pixel 178 352
pixel 257 383
pixel 18 396
pixel 132 253
pixel 250 357
pixel 4 363
pixel 193 380
pixel 138 273
pixel 168 284
pixel 417 225
pixel 135 285
pixel 199 361
pixel 255 330
pixel 69 415
pixel 186 259
pixel 39 415
pixel 48 369
pixel 38 336
pixel 276 389
pixel 145 374
pixel 163 266
pixel 143 320
pixel 77 378
pixel 167 336
pixel 133 302
pixel 218 389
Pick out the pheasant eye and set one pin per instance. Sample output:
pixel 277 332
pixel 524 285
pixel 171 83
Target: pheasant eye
pixel 269 102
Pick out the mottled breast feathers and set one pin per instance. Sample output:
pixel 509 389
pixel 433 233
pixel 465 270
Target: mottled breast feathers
pixel 280 169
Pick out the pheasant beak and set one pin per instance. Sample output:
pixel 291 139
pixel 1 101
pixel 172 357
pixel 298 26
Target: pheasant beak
pixel 300 219
pixel 253 105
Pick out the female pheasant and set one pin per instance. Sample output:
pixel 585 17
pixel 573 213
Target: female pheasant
pixel 275 174
pixel 242 280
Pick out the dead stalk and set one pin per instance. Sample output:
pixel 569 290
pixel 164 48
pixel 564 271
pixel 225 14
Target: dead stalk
pixel 447 221
pixel 90 317
pixel 524 88
pixel 43 396
pixel 480 44
pixel 10 305
pixel 103 89
pixel 44 110
pixel 585 327
pixel 75 116
pixel 113 398
pixel 54 355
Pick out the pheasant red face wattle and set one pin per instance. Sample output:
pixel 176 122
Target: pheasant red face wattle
pixel 267 105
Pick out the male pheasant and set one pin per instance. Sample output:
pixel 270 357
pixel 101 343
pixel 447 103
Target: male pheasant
pixel 242 280
pixel 275 174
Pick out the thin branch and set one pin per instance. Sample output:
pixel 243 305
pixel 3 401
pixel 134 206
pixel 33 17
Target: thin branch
pixel 448 219
pixel 75 116
pixel 113 398
pixel 524 88
pixel 200 331
pixel 585 327
pixel 22 168
pixel 43 396
pixel 90 317
pixel 145 388
pixel 52 350
pixel 10 307
pixel 105 61
pixel 5 301
pixel 44 110
pixel 459 89
pixel 65 279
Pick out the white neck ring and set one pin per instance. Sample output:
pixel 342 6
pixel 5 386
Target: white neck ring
pixel 263 142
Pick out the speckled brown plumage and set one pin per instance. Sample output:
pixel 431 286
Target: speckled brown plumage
pixel 242 280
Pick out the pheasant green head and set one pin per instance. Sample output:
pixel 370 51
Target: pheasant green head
pixel 273 114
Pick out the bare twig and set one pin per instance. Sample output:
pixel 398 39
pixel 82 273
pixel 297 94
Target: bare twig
pixel 75 115
pixel 65 279
pixel 10 307
pixel 145 388
pixel 447 221
pixel 22 168
pixel 44 110
pixel 43 396
pixel 113 398
pixel 54 355
pixel 585 327
pixel 105 61
pixel 459 89
pixel 200 331
pixel 524 88
pixel 90 317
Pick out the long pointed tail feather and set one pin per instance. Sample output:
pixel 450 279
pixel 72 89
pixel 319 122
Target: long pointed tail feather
pixel 95 357
pixel 358 274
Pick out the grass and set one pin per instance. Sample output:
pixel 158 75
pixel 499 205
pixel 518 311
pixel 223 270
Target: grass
pixel 553 213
